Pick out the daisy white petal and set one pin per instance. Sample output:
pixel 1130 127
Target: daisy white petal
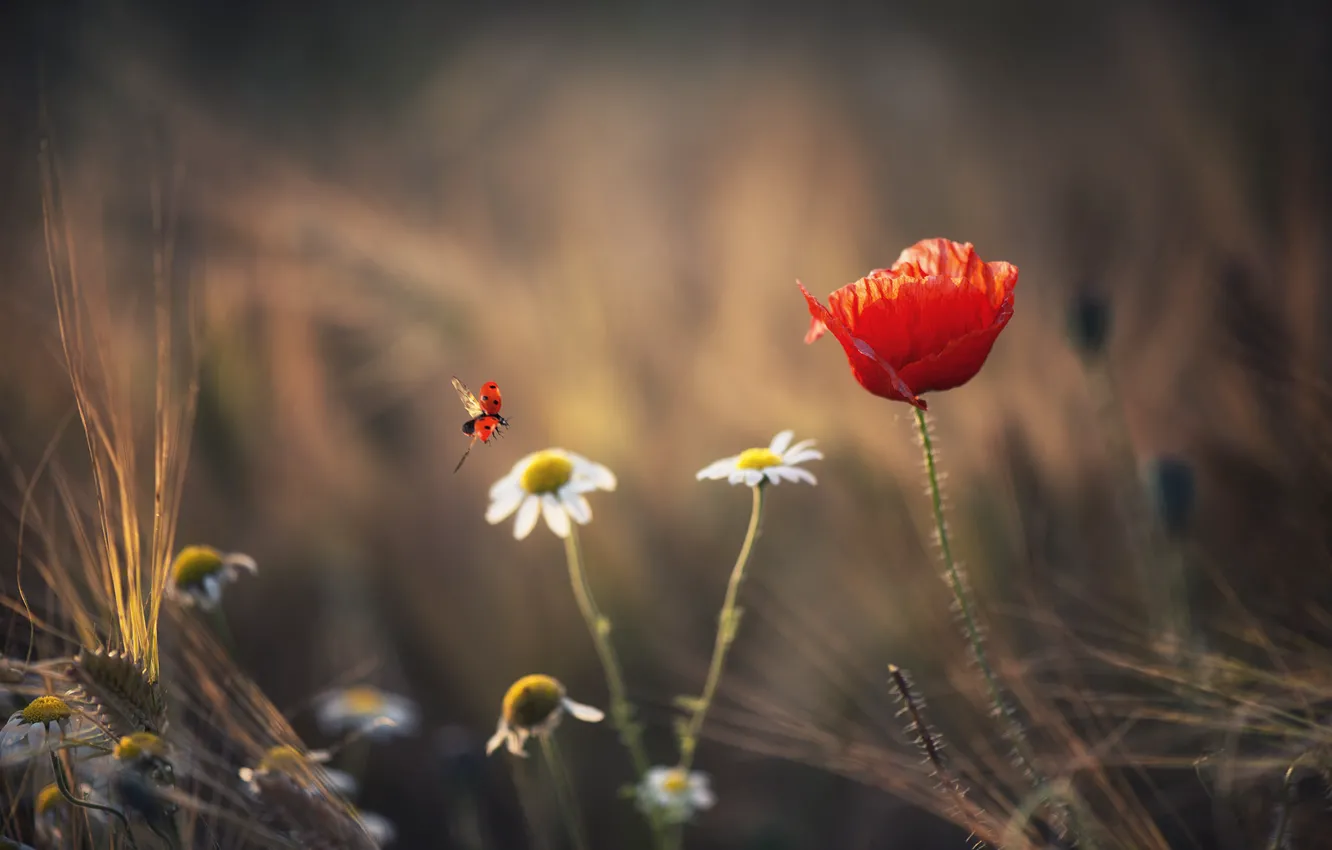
pixel 586 713
pixel 793 458
pixel 579 510
pixel 506 501
pixel 527 517
pixel 794 473
pixel 753 477
pixel 719 469
pixel 501 734
pixel 557 519
pixel 797 449
pixel 780 442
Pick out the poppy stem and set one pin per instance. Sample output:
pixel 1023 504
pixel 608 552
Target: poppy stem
pixel 1013 727
pixel 621 710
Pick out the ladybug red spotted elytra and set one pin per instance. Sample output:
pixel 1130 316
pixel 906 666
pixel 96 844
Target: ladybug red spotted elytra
pixel 486 421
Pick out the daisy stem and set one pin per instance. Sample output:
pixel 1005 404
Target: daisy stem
pixel 62 783
pixel 728 623
pixel 1013 727
pixel 563 790
pixel 621 710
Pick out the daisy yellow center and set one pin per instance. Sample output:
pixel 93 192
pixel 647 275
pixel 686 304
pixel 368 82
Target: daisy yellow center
pixel 47 709
pixel 547 473
pixel 676 782
pixel 48 798
pixel 531 700
pixel 282 758
pixel 363 700
pixel 758 459
pixel 194 564
pixel 137 745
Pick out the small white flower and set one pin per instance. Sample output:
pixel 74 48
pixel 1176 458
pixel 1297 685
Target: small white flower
pixel 675 794
pixel 366 710
pixel 38 728
pixel 533 705
pixel 381 829
pixel 550 483
pixel 753 467
pixel 199 574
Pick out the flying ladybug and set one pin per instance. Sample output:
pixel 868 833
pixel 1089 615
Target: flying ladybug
pixel 485 421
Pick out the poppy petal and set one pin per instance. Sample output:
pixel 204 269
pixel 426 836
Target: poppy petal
pixel 871 370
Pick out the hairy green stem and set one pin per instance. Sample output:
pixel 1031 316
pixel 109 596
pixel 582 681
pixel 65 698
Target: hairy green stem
pixel 728 623
pixel 1013 731
pixel 564 793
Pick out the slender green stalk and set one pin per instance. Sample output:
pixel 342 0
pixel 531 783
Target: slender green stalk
pixel 62 783
pixel 728 623
pixel 1013 727
pixel 564 792
pixel 621 710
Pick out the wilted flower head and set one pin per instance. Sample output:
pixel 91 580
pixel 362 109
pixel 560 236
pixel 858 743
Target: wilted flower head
pixel 924 325
pixel 30 731
pixel 754 467
pixel 549 482
pixel 366 710
pixel 200 572
pixel 533 705
pixel 674 794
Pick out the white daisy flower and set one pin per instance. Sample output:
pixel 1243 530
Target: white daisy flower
pixel 29 731
pixel 753 467
pixel 551 483
pixel 200 572
pixel 366 710
pixel 533 705
pixel 674 794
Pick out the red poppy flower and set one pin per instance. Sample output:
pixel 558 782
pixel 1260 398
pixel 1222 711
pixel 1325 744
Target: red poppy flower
pixel 925 324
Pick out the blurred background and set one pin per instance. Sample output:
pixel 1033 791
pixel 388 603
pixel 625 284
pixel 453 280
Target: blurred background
pixel 605 208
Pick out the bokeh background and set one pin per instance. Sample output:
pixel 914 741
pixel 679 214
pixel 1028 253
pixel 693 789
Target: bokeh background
pixel 605 209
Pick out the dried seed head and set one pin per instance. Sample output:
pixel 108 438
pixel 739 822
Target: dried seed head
pixel 115 683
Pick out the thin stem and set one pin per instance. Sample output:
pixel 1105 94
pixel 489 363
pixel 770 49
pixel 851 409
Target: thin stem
pixel 63 784
pixel 563 790
pixel 621 710
pixel 728 623
pixel 1013 730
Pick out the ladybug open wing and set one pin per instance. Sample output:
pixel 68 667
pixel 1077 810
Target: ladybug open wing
pixel 469 401
pixel 490 398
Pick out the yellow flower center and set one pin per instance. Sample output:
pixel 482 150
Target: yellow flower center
pixel 547 473
pixel 677 781
pixel 531 700
pixel 363 699
pixel 46 710
pixel 137 745
pixel 48 798
pixel 758 459
pixel 283 758
pixel 194 564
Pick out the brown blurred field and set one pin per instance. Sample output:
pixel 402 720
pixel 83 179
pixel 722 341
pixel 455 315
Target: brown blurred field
pixel 607 215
